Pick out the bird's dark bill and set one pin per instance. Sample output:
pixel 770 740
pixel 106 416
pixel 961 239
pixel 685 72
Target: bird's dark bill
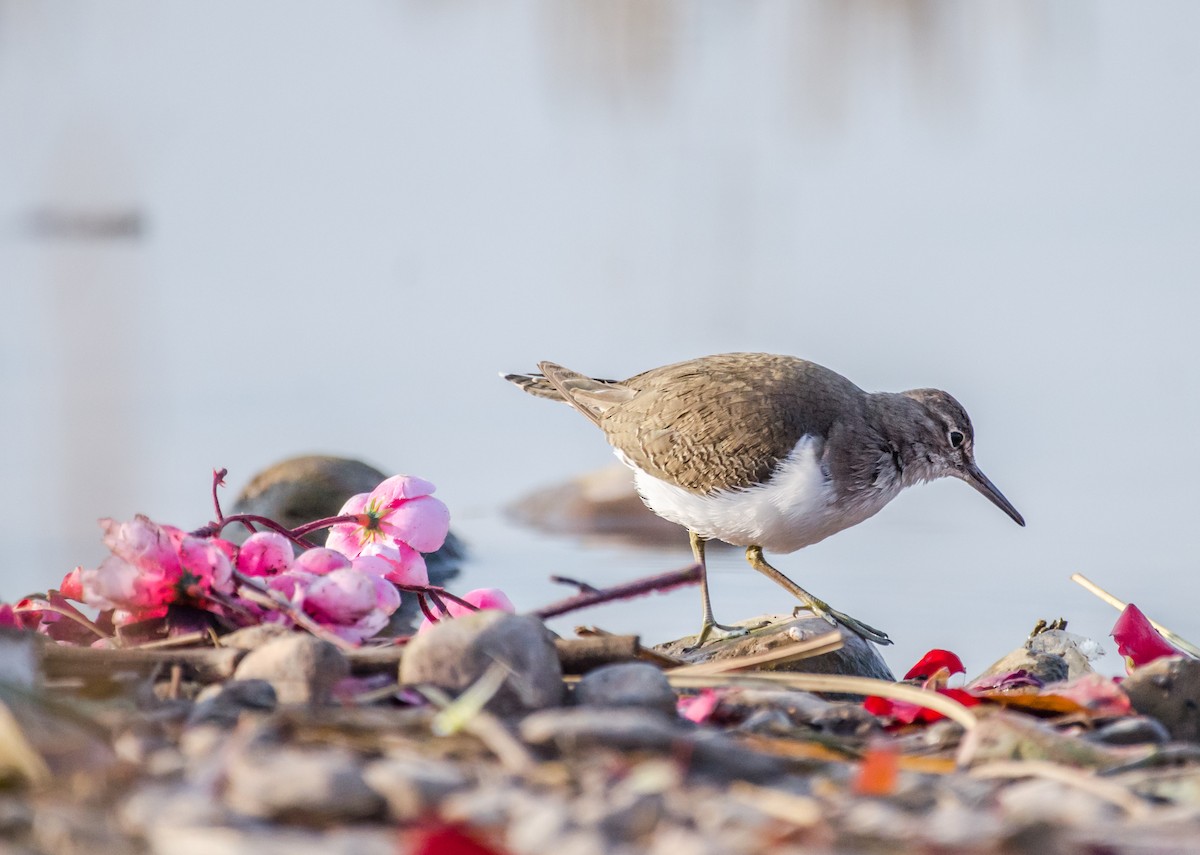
pixel 980 482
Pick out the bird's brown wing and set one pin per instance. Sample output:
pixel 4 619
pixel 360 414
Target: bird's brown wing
pixel 723 422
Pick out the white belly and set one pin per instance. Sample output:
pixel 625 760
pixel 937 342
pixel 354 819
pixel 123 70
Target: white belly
pixel 793 510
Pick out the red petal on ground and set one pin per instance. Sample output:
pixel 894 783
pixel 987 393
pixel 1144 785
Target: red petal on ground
pixel 1138 640
pixel 903 712
pixel 878 771
pixel 934 661
pixel 448 840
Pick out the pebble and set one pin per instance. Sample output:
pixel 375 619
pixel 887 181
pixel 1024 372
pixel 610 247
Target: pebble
pixel 454 654
pixel 1134 730
pixel 301 669
pixel 311 786
pixel 1169 690
pixel 622 729
pixel 223 704
pixel 223 840
pixel 627 684
pixel 856 657
pixel 412 785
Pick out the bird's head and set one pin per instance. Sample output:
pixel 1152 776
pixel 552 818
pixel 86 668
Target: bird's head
pixel 945 446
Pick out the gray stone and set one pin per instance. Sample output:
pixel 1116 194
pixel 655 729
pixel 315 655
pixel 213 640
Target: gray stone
pixel 168 805
pixel 627 684
pixel 222 840
pixel 411 785
pixel 304 786
pixel 857 657
pixel 621 729
pixel 223 704
pixel 252 637
pixel 454 654
pixel 1130 730
pixel 1168 689
pixel 302 669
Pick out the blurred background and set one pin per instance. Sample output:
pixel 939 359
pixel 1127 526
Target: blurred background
pixel 231 233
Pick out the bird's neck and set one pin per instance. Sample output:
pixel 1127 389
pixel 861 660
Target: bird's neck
pixel 906 426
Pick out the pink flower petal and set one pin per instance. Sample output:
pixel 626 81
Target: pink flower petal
pixel 422 523
pixel 484 599
pixel 699 708
pixel 341 597
pixel 141 542
pixel 207 563
pixel 354 505
pixel 407 565
pixel 320 560
pixel 1138 640
pixel 70 587
pixel 402 487
pixel 387 596
pixel 265 553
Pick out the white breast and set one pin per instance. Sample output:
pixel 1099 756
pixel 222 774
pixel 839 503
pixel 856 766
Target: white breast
pixel 793 510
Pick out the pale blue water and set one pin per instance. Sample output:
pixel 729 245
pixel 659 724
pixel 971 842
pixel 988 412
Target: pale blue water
pixel 348 220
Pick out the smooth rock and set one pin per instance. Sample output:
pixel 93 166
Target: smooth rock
pixel 252 637
pixel 857 657
pixel 223 704
pixel 1132 730
pixel 454 654
pixel 604 505
pixel 627 684
pixel 302 669
pixel 412 786
pixel 223 840
pixel 169 805
pixel 1054 803
pixel 621 729
pixel 1169 690
pixel 305 786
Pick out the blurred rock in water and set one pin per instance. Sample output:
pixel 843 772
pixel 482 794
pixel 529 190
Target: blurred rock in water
pixel 599 505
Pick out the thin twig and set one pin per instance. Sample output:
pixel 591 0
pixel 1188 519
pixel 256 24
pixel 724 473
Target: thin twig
pixel 1174 638
pixel 825 643
pixel 584 587
pixel 639 587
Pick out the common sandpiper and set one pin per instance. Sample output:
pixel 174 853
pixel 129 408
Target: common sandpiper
pixel 770 452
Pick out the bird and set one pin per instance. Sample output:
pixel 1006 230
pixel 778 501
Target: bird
pixel 770 453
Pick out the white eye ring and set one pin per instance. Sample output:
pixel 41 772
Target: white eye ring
pixel 957 438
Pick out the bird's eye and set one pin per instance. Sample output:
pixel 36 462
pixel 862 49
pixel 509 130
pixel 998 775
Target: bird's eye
pixel 956 438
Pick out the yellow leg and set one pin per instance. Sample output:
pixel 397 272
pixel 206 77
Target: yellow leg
pixel 755 556
pixel 707 622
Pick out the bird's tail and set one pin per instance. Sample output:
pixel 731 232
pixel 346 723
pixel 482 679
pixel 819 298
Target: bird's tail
pixel 536 385
pixel 589 395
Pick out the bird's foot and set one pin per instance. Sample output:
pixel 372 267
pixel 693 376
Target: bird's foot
pixel 836 618
pixel 707 628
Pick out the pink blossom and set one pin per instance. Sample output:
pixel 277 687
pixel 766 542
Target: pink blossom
pixel 484 599
pixel 70 587
pixel 406 565
pixel 341 596
pixel 151 567
pixel 387 597
pixel 401 510
pixel 206 566
pixel 320 560
pixel 265 553
pixel 8 618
